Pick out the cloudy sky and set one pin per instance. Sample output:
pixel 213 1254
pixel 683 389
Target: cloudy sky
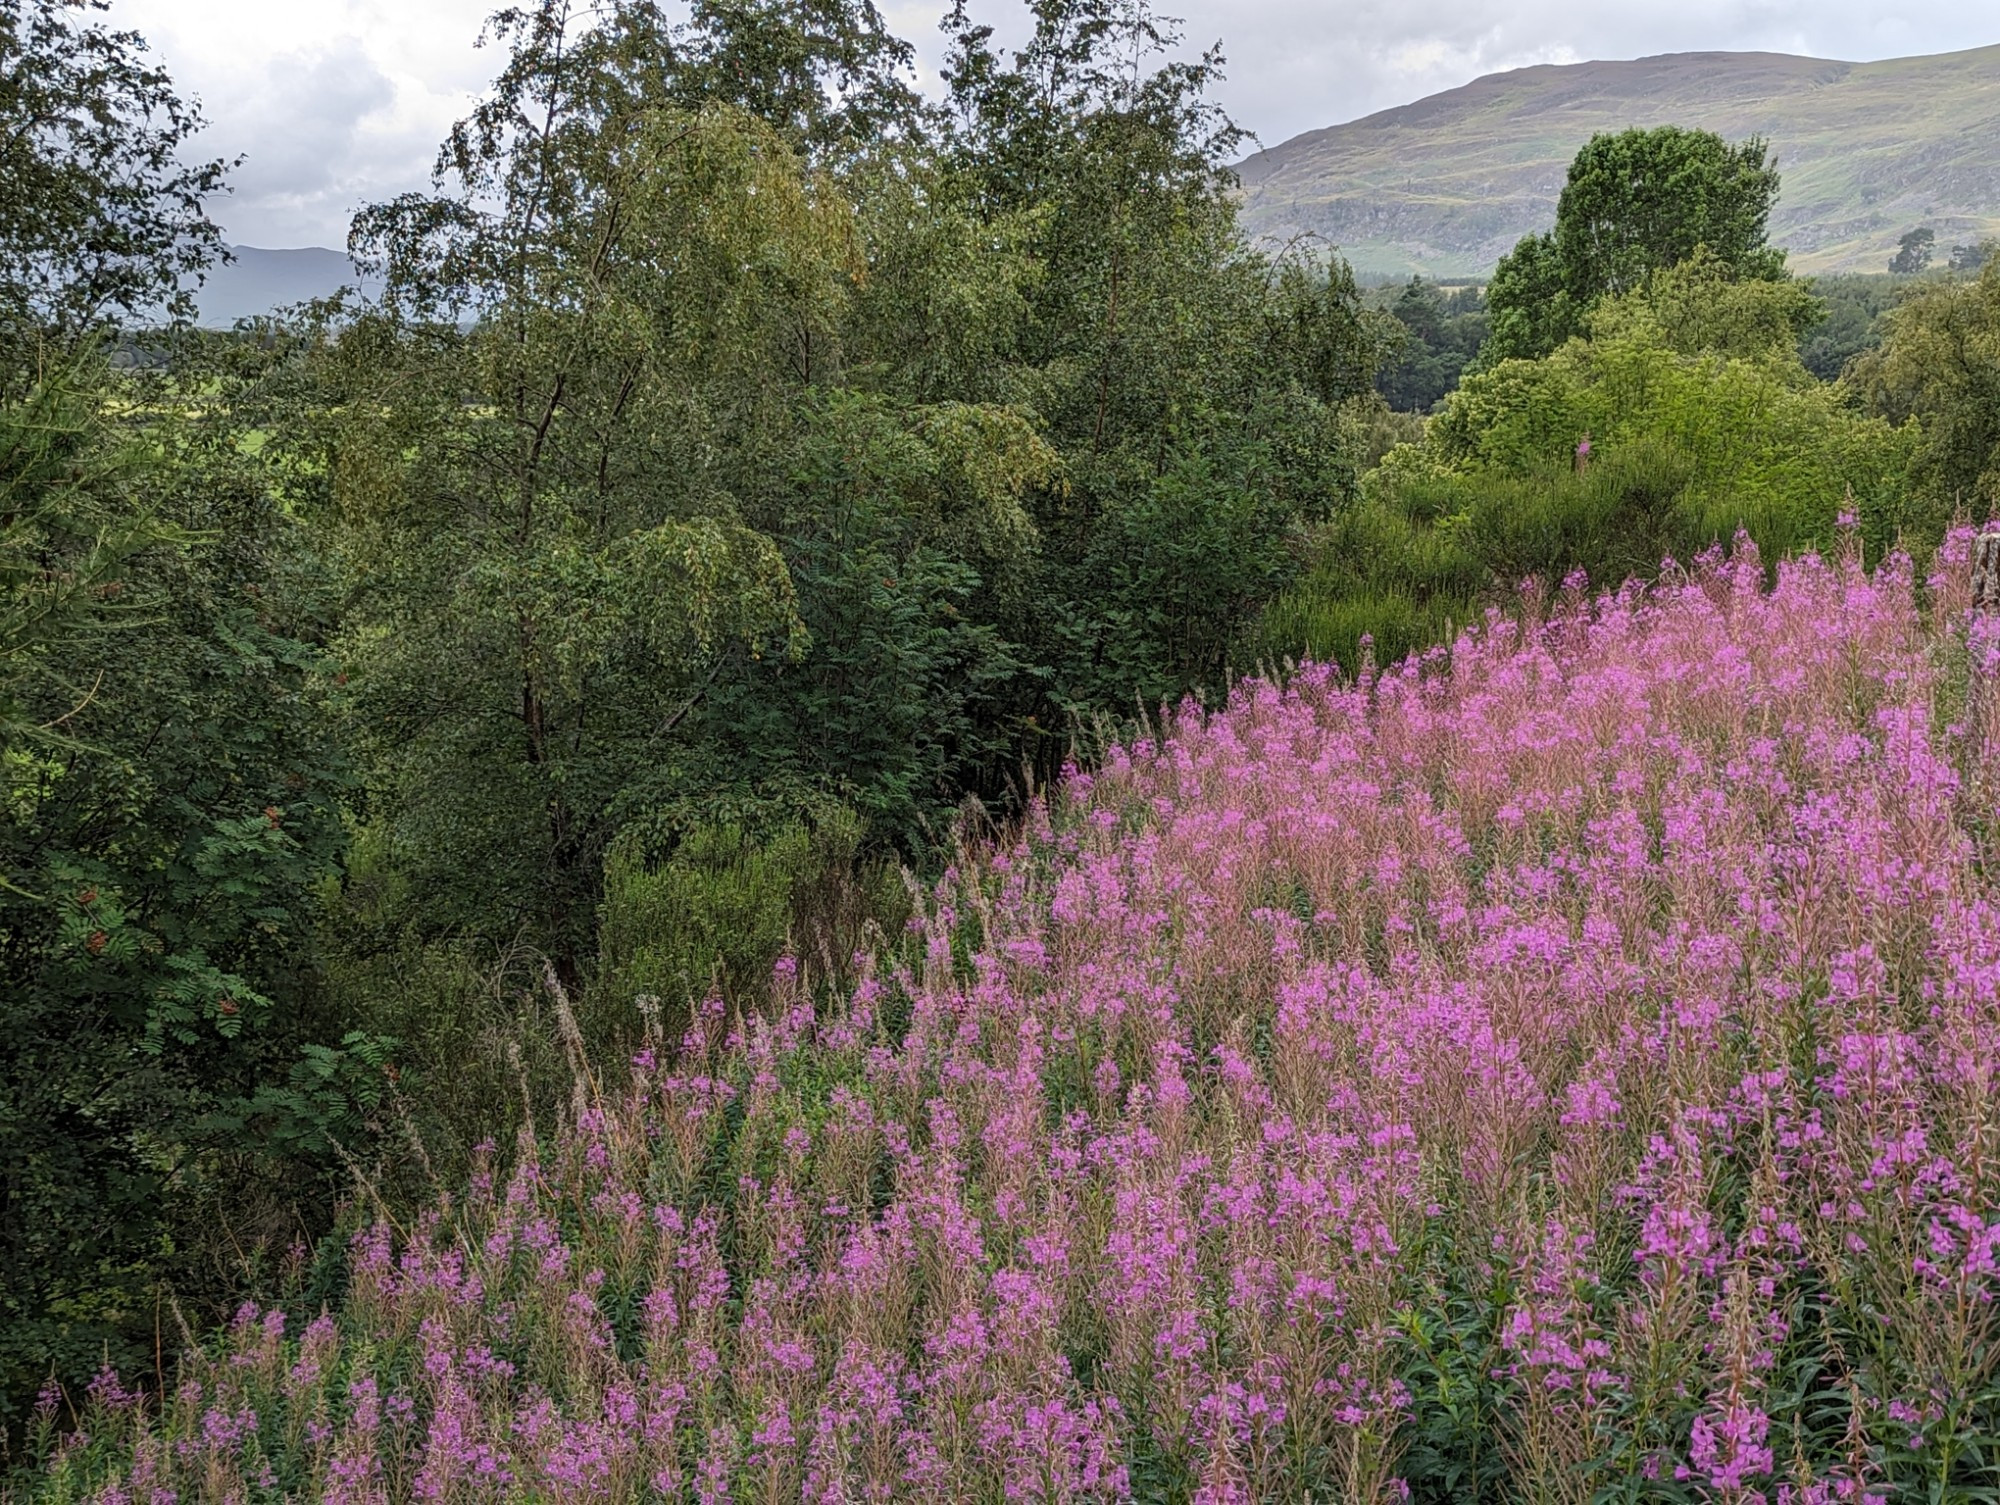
pixel 333 103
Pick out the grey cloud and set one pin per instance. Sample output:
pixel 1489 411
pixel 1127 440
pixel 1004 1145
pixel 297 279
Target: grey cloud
pixel 301 126
pixel 330 103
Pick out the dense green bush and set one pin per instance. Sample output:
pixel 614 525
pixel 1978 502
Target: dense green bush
pixel 172 802
pixel 1684 417
pixel 1852 323
pixel 1422 553
pixel 1939 364
pixel 711 917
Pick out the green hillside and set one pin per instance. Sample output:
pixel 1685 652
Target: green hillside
pixel 1446 186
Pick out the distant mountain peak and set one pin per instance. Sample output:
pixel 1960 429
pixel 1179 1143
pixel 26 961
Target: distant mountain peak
pixel 1447 184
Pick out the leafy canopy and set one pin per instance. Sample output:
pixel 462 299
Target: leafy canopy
pixel 1633 204
pixel 1701 420
pixel 1939 363
pixel 169 791
pixel 101 215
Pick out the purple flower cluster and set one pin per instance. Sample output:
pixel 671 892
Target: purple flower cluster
pixel 1630 965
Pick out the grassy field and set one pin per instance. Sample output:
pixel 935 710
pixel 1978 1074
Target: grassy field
pixel 1445 186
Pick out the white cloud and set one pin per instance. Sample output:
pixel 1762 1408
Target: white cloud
pixel 330 103
pixel 335 103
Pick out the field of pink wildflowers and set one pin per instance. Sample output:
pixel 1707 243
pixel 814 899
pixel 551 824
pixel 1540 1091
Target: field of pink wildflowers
pixel 1561 1067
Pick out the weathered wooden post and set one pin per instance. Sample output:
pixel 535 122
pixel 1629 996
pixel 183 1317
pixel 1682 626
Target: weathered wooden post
pixel 1986 571
pixel 1985 603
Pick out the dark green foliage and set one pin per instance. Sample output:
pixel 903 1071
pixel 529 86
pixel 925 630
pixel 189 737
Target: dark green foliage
pixel 1852 323
pixel 172 794
pixel 171 806
pixel 1170 367
pixel 65 539
pixel 1456 1373
pixel 546 516
pixel 896 704
pixel 1532 308
pixel 100 215
pixel 1972 258
pixel 1940 363
pixel 1647 199
pixel 173 1090
pixel 1075 103
pixel 1913 252
pixel 897 521
pixel 1634 203
pixel 828 74
pixel 1442 332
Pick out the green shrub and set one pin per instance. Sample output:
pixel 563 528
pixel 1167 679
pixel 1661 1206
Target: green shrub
pixel 712 916
pixel 1616 519
pixel 714 913
pixel 1700 422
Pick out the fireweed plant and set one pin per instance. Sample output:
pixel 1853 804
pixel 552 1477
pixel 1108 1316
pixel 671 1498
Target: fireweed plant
pixel 1560 1067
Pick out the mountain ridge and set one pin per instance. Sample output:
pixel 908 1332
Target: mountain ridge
pixel 1446 184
